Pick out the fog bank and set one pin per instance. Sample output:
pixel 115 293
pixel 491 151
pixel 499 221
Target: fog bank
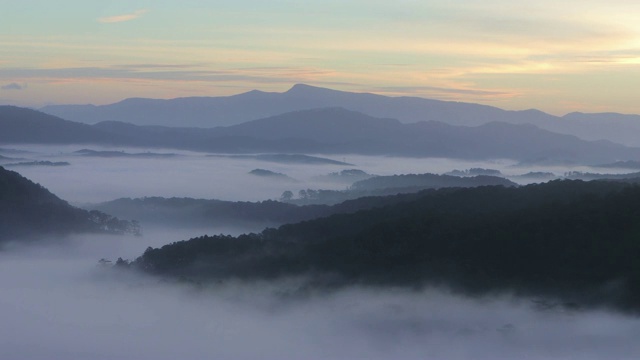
pixel 58 303
pixel 190 174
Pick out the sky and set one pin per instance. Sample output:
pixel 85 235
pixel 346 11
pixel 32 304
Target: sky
pixel 556 56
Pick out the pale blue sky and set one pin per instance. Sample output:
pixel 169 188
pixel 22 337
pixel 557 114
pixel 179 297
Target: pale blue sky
pixel 558 56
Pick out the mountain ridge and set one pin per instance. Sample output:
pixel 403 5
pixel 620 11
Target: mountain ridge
pixel 203 111
pixel 335 131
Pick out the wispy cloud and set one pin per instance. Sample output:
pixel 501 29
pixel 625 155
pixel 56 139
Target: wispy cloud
pixel 459 93
pixel 124 17
pixel 13 86
pixel 419 89
pixel 176 72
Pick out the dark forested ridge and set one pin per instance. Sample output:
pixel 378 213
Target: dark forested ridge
pixel 200 212
pixel 392 185
pixel 434 181
pixel 28 210
pixel 576 240
pixel 309 205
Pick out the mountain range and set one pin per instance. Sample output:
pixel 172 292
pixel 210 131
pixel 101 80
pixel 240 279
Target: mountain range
pixel 209 112
pixel 328 131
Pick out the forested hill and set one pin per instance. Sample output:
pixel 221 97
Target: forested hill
pixel 579 241
pixel 28 210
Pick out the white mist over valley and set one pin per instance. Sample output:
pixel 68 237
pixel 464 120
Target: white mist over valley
pixel 91 179
pixel 59 294
pixel 58 303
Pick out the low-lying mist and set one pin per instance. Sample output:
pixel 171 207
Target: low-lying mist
pixel 90 179
pixel 58 303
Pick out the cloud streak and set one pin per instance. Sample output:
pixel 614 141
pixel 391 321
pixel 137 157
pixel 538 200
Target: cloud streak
pixel 122 18
pixel 176 72
pixel 13 86
pixel 442 91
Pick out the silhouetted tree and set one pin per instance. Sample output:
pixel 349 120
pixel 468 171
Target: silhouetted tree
pixel 286 196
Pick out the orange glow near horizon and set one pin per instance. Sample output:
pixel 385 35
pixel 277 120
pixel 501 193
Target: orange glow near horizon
pixel 549 56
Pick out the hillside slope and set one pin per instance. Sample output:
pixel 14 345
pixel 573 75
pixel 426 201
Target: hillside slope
pixel 28 210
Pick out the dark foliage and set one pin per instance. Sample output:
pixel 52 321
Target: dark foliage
pixel 576 240
pixel 38 163
pixel 394 184
pixel 428 181
pixel 271 174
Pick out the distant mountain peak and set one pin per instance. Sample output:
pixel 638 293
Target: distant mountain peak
pixel 306 90
pixel 299 87
pixel 533 111
pixel 254 92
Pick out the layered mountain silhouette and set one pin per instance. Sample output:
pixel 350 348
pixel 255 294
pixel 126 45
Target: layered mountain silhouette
pixel 328 131
pixel 232 110
pixel 20 125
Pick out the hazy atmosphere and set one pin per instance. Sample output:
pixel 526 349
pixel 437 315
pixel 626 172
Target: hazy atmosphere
pixel 199 175
pixel 202 176
pixel 320 180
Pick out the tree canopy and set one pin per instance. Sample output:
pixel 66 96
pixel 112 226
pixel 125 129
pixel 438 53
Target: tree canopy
pixel 571 239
